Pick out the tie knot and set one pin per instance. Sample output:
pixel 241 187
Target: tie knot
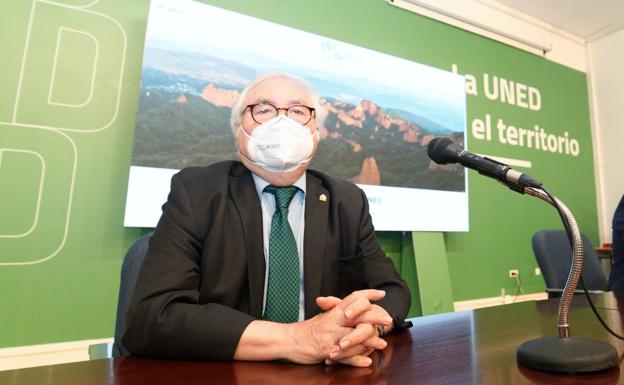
pixel 283 195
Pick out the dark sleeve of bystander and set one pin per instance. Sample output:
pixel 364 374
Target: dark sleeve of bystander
pixel 616 279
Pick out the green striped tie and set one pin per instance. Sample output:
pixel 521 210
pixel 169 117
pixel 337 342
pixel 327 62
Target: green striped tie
pixel 282 302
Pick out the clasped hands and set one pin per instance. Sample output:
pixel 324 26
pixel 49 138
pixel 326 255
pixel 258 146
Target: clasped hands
pixel 344 333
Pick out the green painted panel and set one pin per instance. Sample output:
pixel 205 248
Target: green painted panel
pixel 434 282
pixel 69 88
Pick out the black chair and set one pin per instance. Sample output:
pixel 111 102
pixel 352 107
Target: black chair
pixel 554 257
pixel 129 273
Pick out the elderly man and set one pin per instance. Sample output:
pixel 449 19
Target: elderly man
pixel 263 259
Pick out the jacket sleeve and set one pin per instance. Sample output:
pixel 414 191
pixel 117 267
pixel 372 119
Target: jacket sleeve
pixel 380 272
pixel 165 318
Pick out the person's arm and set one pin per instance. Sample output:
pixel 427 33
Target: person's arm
pixel 263 341
pixel 312 341
pixel 378 273
pixel 165 318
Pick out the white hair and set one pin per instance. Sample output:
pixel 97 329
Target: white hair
pixel 238 107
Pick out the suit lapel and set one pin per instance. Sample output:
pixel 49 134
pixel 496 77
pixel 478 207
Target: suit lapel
pixel 317 202
pixel 245 197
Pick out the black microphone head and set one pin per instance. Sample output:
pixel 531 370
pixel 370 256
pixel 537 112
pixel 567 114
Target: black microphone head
pixel 443 150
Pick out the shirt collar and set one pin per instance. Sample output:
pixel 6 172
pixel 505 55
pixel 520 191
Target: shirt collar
pixel 261 183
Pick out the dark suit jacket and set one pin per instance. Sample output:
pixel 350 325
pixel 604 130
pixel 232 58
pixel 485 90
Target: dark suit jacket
pixel 616 278
pixel 202 281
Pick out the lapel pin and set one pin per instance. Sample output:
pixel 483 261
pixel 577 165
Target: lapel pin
pixel 323 198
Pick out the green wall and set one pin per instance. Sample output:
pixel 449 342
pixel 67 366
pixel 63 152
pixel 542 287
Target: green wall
pixel 65 151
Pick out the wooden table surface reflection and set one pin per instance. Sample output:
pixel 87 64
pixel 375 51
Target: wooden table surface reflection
pixel 470 347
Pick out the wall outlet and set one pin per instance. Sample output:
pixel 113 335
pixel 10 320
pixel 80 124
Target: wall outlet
pixel 538 271
pixel 513 273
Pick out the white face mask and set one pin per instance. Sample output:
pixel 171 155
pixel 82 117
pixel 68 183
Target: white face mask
pixel 280 144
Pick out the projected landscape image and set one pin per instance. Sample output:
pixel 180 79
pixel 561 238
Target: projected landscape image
pixel 382 111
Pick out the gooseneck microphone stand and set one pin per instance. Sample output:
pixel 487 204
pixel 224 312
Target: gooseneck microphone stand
pixel 564 353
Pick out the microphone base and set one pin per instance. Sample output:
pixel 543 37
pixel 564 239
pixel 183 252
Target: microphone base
pixel 567 355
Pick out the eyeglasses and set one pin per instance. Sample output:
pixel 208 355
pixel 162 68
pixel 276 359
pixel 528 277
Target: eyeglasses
pixel 263 112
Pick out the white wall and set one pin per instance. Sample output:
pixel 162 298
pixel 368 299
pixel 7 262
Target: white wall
pixel 606 63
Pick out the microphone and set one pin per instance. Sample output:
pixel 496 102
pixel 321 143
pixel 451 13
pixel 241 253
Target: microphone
pixel 564 353
pixel 445 151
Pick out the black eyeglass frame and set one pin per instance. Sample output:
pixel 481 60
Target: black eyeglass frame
pixel 251 107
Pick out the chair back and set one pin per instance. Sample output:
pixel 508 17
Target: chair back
pixel 554 257
pixel 129 273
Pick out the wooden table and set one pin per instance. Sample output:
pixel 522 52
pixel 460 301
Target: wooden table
pixel 469 347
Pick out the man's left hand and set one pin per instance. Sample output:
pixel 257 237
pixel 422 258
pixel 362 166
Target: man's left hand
pixel 354 348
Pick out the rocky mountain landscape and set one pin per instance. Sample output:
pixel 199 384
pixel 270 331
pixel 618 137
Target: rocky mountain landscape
pixel 184 122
